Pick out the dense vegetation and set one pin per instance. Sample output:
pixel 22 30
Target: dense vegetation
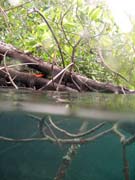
pixel 65 31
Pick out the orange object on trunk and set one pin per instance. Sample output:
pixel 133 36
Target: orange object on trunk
pixel 39 75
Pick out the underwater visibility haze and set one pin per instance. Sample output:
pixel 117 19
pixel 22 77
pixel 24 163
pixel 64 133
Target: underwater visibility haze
pixel 66 136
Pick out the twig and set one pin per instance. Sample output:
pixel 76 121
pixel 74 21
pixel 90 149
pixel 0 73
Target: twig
pixel 100 33
pixel 61 23
pixel 60 140
pixel 18 6
pixel 15 65
pixel 80 81
pixel 7 139
pixel 108 67
pixel 75 83
pixel 53 134
pixel 10 78
pixel 53 34
pixel 41 125
pixel 2 11
pixel 75 135
pixel 123 90
pixel 130 140
pixel 118 133
pixel 97 136
pixel 74 49
pixel 77 16
pixel 54 78
pixel 61 78
pixel 73 53
pixel 35 117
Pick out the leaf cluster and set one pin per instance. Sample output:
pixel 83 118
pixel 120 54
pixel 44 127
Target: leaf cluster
pixel 81 28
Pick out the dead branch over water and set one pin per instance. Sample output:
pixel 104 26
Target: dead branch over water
pixel 61 79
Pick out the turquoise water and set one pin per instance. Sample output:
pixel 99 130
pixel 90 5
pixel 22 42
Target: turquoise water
pixel 40 160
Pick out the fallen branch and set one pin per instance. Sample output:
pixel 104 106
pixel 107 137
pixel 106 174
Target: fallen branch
pixel 82 82
pixel 22 79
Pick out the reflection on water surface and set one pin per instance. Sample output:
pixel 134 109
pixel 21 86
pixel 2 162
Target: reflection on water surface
pixel 67 136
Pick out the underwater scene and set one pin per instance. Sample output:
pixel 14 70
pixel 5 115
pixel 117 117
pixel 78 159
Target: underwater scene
pixel 63 136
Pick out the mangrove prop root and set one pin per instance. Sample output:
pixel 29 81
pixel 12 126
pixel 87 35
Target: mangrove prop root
pixel 125 162
pixel 68 158
pixel 47 129
pixel 66 161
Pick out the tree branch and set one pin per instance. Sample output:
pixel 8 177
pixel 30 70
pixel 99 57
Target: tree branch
pixel 46 68
pixel 53 34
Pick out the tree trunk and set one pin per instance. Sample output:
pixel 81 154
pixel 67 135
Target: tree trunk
pixel 73 81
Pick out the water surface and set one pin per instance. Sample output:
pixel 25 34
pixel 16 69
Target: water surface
pixel 100 159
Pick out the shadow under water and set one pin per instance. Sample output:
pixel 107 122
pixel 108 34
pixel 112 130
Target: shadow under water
pixel 60 136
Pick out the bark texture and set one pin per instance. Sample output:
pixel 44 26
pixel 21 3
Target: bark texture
pixel 65 80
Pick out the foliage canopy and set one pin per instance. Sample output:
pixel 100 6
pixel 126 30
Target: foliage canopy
pixel 65 31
